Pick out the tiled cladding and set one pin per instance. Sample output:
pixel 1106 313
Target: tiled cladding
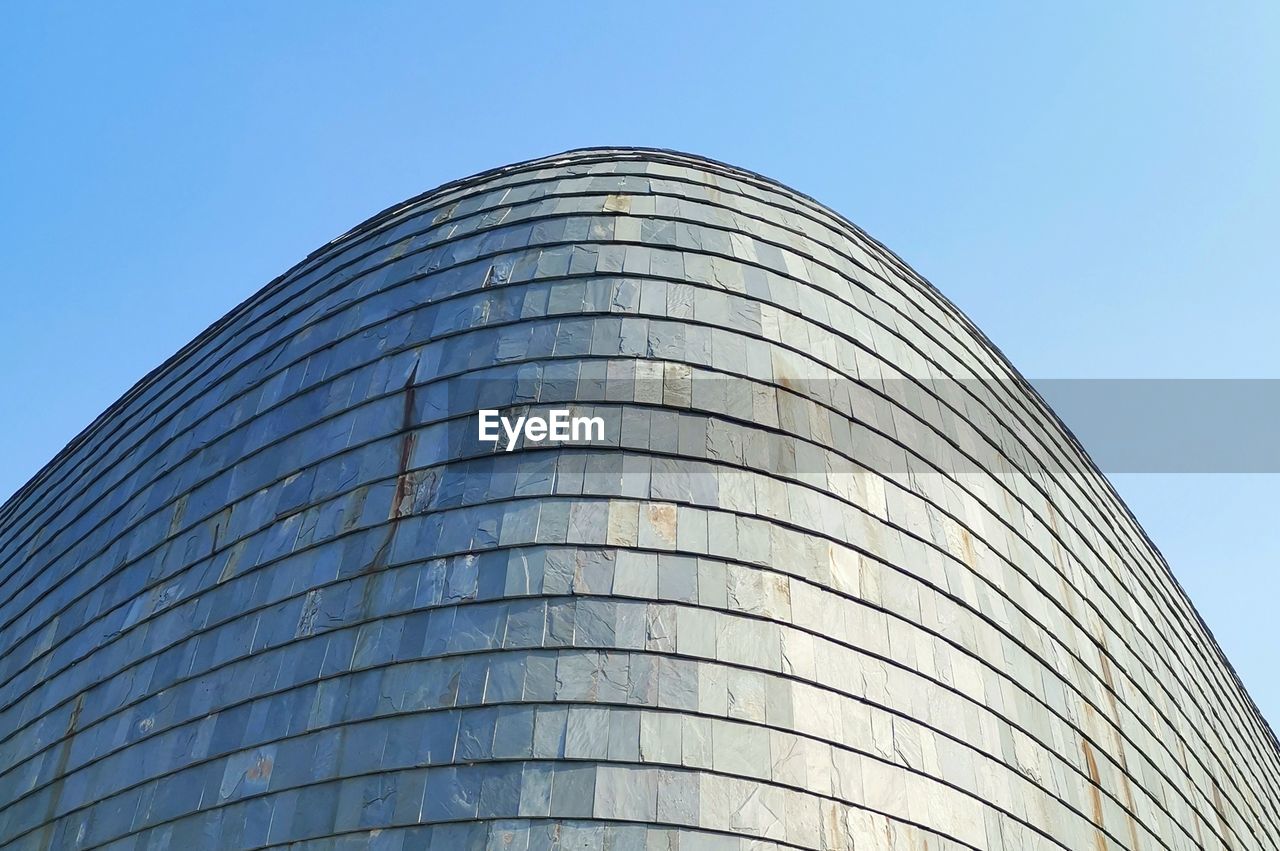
pixel 277 597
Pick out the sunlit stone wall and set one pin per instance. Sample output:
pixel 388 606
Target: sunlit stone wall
pixel 810 591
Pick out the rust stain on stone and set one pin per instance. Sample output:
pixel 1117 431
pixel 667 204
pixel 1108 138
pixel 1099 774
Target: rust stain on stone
pixel 260 769
pixel 662 517
pixel 404 483
pixel 1125 786
pixel 63 758
pixel 401 500
pixel 966 543
pixel 1095 794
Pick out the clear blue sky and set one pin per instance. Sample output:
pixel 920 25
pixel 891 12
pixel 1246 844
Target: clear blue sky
pixel 1096 184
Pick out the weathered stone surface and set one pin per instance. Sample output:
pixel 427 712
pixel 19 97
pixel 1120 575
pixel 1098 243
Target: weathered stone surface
pixel 810 590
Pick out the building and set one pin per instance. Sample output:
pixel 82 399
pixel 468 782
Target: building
pixel 833 577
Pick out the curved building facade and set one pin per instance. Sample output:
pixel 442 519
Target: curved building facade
pixel 832 576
